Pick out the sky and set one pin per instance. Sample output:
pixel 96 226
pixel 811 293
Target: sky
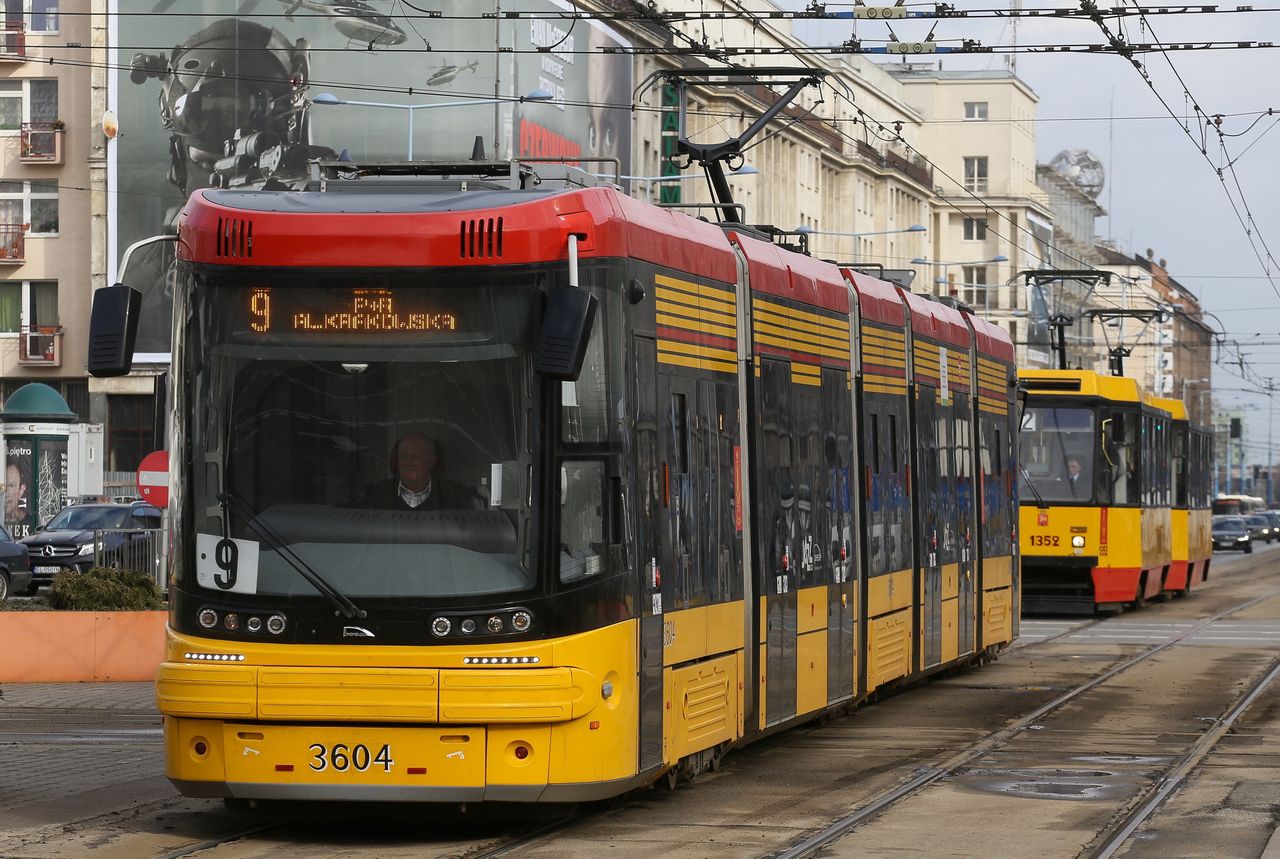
pixel 1161 193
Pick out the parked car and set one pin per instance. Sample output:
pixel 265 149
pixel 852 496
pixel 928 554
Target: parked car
pixel 68 541
pixel 15 569
pixel 1260 527
pixel 1232 532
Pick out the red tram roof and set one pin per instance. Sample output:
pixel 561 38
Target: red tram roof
pixel 936 320
pixel 878 300
pixel 783 274
pixel 992 340
pixel 307 229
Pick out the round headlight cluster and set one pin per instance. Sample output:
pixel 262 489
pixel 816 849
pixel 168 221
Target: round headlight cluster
pixel 231 621
pixel 499 623
pixel 1077 541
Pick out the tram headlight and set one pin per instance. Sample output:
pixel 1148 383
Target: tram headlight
pixel 231 621
pixel 1077 541
pixel 521 621
pixel 468 626
pixel 253 624
pixel 441 626
pixel 208 618
pixel 494 624
pixel 275 624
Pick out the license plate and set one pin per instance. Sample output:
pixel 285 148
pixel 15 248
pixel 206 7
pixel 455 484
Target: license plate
pixel 52 571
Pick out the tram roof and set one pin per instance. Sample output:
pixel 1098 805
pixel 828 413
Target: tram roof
pixel 936 320
pixel 1081 383
pixel 878 300
pixel 1176 408
pixel 791 275
pixel 315 228
pixel 991 339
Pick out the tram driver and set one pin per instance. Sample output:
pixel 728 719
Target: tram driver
pixel 413 485
pixel 1074 476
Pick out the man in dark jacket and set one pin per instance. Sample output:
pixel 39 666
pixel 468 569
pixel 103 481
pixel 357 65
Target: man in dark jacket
pixel 414 486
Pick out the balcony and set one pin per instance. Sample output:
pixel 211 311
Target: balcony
pixel 13 42
pixel 41 142
pixel 13 244
pixel 40 345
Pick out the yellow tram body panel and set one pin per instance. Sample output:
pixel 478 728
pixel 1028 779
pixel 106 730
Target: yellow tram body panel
pixel 478 731
pixel 1119 544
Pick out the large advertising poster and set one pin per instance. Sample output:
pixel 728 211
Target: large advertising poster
pixel 210 93
pixel 19 510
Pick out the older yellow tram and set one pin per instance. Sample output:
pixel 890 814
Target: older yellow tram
pixel 1190 460
pixel 1095 527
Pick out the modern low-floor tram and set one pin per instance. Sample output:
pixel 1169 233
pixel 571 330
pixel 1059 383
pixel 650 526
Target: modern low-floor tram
pixel 714 487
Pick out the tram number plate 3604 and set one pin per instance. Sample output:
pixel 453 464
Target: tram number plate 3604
pixel 341 757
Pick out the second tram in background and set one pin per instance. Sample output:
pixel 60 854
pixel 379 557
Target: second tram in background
pixel 1115 494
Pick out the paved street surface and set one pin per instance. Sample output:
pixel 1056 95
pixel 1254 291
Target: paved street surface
pixel 1019 758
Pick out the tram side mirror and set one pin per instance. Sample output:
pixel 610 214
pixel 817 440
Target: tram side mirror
pixel 113 329
pixel 1117 429
pixel 566 330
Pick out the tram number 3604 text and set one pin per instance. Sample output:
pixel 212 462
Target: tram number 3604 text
pixel 343 758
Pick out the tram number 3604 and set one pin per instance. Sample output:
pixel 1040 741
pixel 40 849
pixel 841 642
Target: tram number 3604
pixel 343 758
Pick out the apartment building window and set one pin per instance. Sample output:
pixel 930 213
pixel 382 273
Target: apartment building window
pixel 27 303
pixel 975 229
pixel 34 202
pixel 39 16
pixel 974 288
pixel 27 100
pixel 130 430
pixel 975 110
pixel 975 174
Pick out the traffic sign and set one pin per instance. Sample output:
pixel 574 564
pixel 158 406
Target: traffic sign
pixel 153 478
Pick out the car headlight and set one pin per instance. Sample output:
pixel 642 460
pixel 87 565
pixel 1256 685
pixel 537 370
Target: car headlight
pixel 86 549
pixel 1242 538
pixel 1077 541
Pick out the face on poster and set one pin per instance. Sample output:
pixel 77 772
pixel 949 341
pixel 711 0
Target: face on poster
pixel 18 514
pixel 212 97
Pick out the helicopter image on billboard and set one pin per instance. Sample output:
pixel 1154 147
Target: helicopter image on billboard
pixel 356 20
pixel 448 73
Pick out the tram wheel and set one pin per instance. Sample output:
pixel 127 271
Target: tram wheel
pixel 1141 599
pixel 673 778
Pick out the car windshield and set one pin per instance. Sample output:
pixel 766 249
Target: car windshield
pixel 1259 522
pixel 88 518
pixel 1232 523
pixel 1056 452
pixel 371 429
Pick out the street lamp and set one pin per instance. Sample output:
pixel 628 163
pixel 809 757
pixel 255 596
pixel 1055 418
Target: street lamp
pixel 810 231
pixel 330 98
pixel 986 301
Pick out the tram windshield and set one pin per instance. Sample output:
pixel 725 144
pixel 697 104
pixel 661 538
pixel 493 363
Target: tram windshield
pixel 1056 454
pixel 371 430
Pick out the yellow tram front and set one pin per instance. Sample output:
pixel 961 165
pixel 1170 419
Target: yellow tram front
pixel 1095 530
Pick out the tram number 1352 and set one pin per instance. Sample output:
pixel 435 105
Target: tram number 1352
pixel 1044 540
pixel 343 758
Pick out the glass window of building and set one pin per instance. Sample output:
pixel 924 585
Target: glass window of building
pixel 975 229
pixel 975 174
pixel 975 110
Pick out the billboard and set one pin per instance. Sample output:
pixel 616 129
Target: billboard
pixel 210 97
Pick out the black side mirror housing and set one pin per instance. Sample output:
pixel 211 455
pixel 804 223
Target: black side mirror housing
pixel 113 329
pixel 566 330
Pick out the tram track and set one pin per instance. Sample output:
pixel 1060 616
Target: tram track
pixel 874 806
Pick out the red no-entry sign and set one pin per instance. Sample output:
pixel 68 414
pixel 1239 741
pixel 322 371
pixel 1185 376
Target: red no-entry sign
pixel 153 478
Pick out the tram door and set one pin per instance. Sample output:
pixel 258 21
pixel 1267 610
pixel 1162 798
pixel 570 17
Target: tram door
pixel 837 529
pixel 931 491
pixel 966 528
pixel 648 492
pixel 779 533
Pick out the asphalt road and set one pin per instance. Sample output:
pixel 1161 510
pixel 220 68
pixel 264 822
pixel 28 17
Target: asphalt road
pixel 1151 733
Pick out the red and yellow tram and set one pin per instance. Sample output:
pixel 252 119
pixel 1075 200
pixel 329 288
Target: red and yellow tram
pixel 690 487
pixel 1191 459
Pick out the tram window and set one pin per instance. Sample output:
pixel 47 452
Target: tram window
pixel 1057 448
pixel 591 411
pixel 581 519
pixel 680 433
pixel 893 434
pixel 875 441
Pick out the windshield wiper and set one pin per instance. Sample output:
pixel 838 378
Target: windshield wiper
pixel 337 598
pixel 1031 484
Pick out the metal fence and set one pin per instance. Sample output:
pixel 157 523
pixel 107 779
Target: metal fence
pixel 143 550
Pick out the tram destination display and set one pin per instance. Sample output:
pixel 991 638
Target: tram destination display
pixel 344 311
